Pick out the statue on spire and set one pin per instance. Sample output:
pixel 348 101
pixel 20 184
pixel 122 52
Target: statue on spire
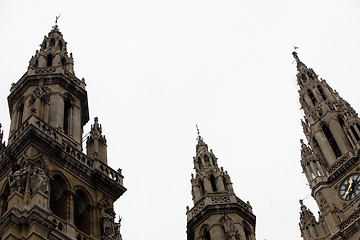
pixel 199 138
pixel 55 27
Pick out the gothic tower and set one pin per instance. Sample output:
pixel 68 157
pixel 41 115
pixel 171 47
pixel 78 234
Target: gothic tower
pixel 218 214
pixel 330 160
pixel 49 188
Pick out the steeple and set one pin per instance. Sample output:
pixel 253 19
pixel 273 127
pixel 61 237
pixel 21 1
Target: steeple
pixel 217 212
pixel 324 109
pixel 329 159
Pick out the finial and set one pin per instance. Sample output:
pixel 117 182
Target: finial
pixel 296 56
pixel 56 20
pixel 199 138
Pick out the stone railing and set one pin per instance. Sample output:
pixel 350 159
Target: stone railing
pixel 82 236
pixel 339 163
pixel 69 148
pixel 55 69
pixel 355 217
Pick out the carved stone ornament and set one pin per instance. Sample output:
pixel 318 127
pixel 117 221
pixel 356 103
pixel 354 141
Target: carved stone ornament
pixel 42 93
pixel 39 180
pixel 110 229
pixel 17 179
pixel 230 230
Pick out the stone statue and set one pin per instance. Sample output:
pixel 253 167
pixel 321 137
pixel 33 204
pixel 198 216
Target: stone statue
pixel 39 180
pixel 230 229
pixel 17 179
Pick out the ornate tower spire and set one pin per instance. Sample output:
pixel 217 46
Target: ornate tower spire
pixel 330 160
pixel 51 92
pixel 217 212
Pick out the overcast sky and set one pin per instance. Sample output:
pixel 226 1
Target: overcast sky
pixel 155 69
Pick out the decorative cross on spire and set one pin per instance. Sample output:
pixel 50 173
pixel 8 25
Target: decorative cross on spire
pixel 199 138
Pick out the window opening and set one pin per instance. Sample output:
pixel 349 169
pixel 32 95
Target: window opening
pixel 67 109
pixel 20 114
pixel 202 189
pixel 206 234
pixel 321 91
pixel 312 97
pixel 355 133
pixel 52 42
pixel 331 140
pixel 49 60
pixel 213 183
pixel 311 170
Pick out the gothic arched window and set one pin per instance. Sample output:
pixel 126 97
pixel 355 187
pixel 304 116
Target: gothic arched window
pixel 58 197
pixel 355 133
pixel 312 97
pixel 321 91
pixel 49 60
pixel 206 234
pixel 67 114
pixel 82 215
pixel 20 114
pixel 60 45
pixel 213 183
pixel 63 61
pixel 52 42
pixel 225 184
pixel 4 199
pixel 330 138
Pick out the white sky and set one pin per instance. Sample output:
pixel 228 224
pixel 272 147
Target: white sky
pixel 156 68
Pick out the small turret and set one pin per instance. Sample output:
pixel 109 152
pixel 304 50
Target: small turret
pixel 96 143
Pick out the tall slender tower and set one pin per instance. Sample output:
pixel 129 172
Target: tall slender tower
pixel 217 213
pixel 49 188
pixel 330 160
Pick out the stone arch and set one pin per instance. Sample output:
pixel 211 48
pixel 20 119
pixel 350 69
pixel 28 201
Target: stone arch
pixel 82 210
pixel 204 232
pixel 59 195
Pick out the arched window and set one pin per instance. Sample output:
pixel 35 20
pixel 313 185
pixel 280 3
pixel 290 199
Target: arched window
pixel 67 115
pixel 206 234
pixel 63 61
pixel 330 138
pixel 206 159
pixel 52 42
pixel 355 133
pixel 321 91
pixel 316 165
pixel 213 183
pixel 60 45
pixel 82 214
pixel 58 197
pixel 202 189
pixel 311 170
pixel 49 60
pixel 358 126
pixel 4 198
pixel 312 97
pixel 341 121
pixel 20 114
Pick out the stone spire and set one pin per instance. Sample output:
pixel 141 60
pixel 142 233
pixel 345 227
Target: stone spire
pixel 320 104
pixel 217 213
pixel 53 53
pixel 96 143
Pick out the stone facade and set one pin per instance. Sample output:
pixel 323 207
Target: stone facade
pixel 50 189
pixel 218 214
pixel 330 159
